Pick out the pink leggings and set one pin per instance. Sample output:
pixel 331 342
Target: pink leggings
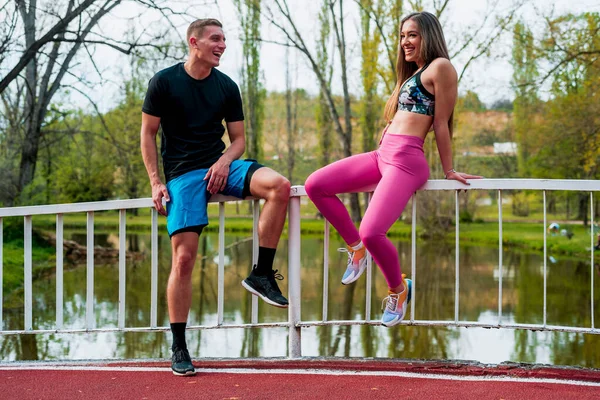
pixel 398 168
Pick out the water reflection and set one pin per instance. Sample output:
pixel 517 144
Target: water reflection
pixel 568 300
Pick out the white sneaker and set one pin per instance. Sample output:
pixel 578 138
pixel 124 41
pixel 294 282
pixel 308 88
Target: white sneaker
pixel 396 304
pixel 354 268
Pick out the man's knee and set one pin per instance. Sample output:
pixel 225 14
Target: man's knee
pixel 183 264
pixel 279 188
pixel 283 186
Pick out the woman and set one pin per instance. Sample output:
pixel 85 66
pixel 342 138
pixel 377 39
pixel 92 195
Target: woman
pixel 424 97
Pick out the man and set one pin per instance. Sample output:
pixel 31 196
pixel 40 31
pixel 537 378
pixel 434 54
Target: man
pixel 190 101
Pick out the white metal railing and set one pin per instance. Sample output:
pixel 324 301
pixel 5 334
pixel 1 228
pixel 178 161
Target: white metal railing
pixel 294 322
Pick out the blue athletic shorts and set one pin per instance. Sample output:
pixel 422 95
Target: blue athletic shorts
pixel 186 212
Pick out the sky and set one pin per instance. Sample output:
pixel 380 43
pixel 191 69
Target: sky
pixel 489 77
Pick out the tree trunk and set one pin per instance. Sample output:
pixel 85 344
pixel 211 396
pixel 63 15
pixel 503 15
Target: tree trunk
pixel 583 209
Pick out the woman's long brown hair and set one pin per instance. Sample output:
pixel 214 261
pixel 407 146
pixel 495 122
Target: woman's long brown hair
pixel 433 45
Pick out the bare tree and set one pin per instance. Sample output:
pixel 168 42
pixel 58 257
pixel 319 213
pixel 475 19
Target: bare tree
pixel 386 16
pixel 291 108
pixel 370 110
pixel 53 34
pixel 279 15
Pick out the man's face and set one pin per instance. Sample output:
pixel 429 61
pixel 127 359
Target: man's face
pixel 210 46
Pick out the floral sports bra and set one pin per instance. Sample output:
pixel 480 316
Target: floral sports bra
pixel 414 97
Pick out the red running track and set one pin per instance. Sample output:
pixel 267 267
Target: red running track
pixel 303 379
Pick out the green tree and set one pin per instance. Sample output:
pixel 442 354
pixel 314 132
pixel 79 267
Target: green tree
pixel 323 116
pixel 470 102
pixel 253 93
pixel 562 136
pixel 386 17
pixel 526 99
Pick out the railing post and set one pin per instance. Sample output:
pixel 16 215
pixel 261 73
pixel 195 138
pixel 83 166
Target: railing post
pixel 28 267
pixel 413 255
pixel 326 272
pixel 500 261
pixel 294 317
pixel 255 245
pixel 59 271
pixel 593 269
pixel 90 317
pixel 154 268
pixel 545 257
pixel 221 266
pixel 122 265
pixel 456 257
pixel 1 273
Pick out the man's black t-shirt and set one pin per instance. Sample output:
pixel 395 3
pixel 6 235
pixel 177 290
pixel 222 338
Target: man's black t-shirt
pixel 191 114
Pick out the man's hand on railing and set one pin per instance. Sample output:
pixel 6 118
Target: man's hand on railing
pixel 461 176
pixel 159 191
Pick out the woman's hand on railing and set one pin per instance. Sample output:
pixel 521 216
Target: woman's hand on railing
pixel 159 191
pixel 461 176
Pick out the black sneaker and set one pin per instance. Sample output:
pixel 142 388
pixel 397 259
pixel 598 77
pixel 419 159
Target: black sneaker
pixel 181 363
pixel 265 286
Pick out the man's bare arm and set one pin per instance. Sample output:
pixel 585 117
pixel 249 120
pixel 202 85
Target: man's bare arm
pixel 219 171
pixel 150 125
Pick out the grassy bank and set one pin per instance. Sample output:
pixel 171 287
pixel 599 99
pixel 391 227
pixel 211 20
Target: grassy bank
pixel 43 260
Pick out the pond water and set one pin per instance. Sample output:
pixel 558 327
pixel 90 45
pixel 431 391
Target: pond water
pixel 568 303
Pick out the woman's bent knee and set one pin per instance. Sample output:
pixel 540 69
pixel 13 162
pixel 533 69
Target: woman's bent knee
pixel 312 186
pixel 369 237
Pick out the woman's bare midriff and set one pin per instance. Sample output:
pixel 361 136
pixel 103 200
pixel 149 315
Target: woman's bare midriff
pixel 411 124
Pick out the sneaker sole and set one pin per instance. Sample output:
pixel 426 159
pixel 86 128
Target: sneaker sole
pixel 355 278
pixel 186 373
pixel 265 299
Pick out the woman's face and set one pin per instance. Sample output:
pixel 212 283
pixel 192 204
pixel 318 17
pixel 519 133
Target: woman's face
pixel 410 41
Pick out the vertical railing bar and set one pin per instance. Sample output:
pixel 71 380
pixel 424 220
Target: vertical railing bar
pixel 500 261
pixel 89 303
pixel 369 288
pixel 221 267
pixel 294 286
pixel 368 292
pixel 592 256
pixel 255 245
pixel 59 270
pixel 122 258
pixel 545 255
pixel 413 256
pixel 1 272
pixel 28 272
pixel 154 269
pixel 326 271
pixel 457 258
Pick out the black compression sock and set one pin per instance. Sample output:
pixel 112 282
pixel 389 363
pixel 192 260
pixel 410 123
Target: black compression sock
pixel 178 330
pixel 265 260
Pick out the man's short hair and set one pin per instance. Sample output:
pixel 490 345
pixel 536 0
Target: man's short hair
pixel 196 28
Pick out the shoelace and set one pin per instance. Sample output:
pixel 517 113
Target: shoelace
pixel 392 302
pixel 350 254
pixel 181 355
pixel 277 275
